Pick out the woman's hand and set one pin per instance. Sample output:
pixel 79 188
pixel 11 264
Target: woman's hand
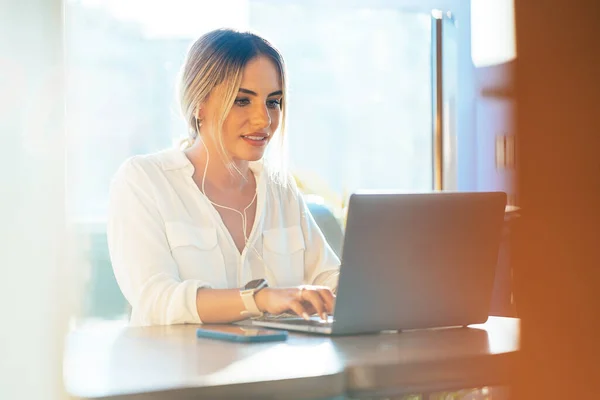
pixel 303 300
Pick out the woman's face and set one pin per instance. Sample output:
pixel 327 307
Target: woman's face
pixel 255 114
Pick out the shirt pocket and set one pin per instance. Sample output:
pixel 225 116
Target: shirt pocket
pixel 197 253
pixel 283 253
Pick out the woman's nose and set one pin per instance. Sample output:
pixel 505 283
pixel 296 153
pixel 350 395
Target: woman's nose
pixel 261 118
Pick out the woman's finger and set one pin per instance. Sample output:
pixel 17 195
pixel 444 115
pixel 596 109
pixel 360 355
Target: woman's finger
pixel 315 299
pixel 296 306
pixel 328 298
pixel 309 308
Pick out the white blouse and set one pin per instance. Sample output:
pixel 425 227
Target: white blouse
pixel 166 239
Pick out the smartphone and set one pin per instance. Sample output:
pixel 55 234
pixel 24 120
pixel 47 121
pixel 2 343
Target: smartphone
pixel 242 334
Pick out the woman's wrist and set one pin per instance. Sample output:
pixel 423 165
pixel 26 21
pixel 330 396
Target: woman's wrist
pixel 261 299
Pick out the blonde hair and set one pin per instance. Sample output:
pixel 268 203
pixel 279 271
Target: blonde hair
pixel 213 67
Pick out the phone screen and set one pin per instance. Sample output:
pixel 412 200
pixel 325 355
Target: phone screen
pixel 239 330
pixel 240 333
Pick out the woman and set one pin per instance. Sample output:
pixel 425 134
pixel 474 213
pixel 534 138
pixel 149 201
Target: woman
pixel 213 233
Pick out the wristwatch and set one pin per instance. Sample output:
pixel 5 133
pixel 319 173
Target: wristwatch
pixel 248 292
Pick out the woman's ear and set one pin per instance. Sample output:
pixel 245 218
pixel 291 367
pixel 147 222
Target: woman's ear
pixel 199 113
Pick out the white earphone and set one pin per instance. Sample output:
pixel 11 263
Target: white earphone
pixel 242 214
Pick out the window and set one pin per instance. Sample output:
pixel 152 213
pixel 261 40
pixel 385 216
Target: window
pixel 360 80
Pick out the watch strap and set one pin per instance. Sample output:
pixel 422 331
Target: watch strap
pixel 250 304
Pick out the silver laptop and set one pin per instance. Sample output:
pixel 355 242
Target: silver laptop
pixel 413 261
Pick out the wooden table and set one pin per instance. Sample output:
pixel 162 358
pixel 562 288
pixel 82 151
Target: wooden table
pixel 119 362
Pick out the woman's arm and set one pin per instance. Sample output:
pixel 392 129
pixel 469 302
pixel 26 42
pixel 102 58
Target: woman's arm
pixel 225 305
pixel 220 305
pixel 140 253
pixel 144 267
pixel 321 263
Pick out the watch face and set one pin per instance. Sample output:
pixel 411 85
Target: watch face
pixel 255 284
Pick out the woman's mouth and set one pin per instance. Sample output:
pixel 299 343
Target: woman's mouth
pixel 255 140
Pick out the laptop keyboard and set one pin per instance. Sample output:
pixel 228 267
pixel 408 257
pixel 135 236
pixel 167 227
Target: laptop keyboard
pixel 271 317
pixel 293 319
pixel 310 322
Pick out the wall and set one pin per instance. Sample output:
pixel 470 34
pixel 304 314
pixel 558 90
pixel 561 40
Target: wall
pixel 34 300
pixel 495 124
pixel 557 259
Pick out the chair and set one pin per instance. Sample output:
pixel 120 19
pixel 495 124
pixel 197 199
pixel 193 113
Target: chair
pixel 329 225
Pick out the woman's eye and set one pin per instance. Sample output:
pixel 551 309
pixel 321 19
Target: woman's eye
pixel 274 103
pixel 242 102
